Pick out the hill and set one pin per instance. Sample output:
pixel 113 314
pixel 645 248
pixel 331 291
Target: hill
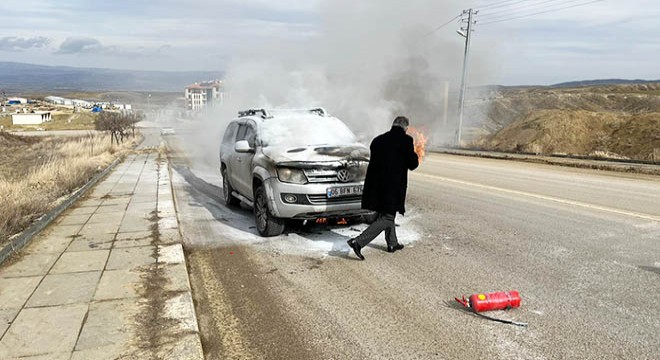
pixel 20 77
pixel 611 121
pixel 582 83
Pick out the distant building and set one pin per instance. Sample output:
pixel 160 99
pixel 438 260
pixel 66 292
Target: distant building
pixel 201 95
pixel 82 103
pixel 123 106
pixel 59 100
pixel 16 101
pixel 31 118
pixel 55 100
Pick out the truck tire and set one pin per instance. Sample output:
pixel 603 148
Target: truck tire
pixel 267 224
pixel 227 197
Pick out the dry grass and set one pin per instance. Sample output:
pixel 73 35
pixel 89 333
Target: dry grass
pixel 64 165
pixel 5 121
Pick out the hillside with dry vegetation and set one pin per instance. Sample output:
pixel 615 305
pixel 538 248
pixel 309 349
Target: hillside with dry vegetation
pixel 621 121
pixel 37 171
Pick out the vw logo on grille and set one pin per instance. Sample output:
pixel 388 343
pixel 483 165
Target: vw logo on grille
pixel 344 175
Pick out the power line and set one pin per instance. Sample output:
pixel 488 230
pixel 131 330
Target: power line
pixel 441 26
pixel 517 9
pixel 504 7
pixel 538 13
pixel 528 10
pixel 500 4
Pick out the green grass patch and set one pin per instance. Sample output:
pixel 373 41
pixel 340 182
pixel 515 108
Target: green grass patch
pixel 73 121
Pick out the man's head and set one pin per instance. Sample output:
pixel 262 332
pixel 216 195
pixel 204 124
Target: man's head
pixel 402 122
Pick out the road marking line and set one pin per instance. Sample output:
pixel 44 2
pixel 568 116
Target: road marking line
pixel 544 197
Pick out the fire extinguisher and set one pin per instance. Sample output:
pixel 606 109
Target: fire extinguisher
pixel 501 300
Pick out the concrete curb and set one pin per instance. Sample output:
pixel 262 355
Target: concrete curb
pixel 180 252
pixel 608 165
pixel 19 241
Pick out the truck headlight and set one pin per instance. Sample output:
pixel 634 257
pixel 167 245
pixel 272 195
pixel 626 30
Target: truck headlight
pixel 289 175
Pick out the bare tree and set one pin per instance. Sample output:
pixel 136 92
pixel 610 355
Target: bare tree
pixel 118 124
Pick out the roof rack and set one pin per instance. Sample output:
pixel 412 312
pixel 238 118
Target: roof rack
pixel 251 112
pixel 265 114
pixel 320 111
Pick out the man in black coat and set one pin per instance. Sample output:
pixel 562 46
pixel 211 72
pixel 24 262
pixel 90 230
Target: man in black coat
pixel 392 155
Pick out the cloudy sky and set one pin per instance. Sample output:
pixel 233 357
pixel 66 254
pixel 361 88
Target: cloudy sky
pixel 603 39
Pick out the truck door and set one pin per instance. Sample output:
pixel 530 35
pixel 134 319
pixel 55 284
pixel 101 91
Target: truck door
pixel 243 166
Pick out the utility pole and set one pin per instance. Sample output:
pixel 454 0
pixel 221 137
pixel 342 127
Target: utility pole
pixel 466 32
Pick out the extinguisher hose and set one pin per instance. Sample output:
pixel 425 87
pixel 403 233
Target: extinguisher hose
pixel 466 305
pixel 517 323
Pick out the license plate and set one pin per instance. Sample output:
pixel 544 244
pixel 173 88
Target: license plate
pixel 344 191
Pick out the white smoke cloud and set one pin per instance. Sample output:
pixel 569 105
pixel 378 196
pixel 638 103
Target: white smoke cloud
pixel 368 62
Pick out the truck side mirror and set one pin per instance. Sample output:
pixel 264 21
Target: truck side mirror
pixel 242 146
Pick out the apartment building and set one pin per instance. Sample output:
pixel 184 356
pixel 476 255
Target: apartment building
pixel 204 94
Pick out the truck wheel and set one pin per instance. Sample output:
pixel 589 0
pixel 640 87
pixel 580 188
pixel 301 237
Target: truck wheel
pixel 267 224
pixel 227 190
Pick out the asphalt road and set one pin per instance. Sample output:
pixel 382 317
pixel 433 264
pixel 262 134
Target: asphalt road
pixel 581 246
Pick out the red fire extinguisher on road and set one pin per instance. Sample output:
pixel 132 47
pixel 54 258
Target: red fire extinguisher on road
pixel 501 300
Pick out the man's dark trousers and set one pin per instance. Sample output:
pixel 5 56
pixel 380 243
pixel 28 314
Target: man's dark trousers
pixel 383 222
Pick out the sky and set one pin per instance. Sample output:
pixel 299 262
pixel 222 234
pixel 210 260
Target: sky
pixel 604 39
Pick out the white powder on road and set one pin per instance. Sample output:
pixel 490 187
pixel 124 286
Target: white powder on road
pixel 233 226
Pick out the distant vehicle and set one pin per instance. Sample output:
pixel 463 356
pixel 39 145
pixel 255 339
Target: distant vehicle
pixel 293 165
pixel 167 131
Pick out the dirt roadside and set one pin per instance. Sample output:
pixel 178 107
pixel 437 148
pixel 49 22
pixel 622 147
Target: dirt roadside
pixel 622 167
pixel 611 122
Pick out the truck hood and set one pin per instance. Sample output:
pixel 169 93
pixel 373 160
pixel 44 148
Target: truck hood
pixel 317 153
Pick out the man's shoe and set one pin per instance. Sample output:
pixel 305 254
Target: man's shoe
pixel 356 248
pixel 394 248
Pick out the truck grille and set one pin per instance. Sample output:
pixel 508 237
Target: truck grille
pixel 357 171
pixel 323 199
pixel 321 176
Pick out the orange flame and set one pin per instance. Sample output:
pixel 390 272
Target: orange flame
pixel 322 220
pixel 342 221
pixel 419 140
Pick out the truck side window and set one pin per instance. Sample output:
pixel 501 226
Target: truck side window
pixel 242 130
pixel 251 136
pixel 230 133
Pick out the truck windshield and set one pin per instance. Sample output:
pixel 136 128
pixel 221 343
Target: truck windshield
pixel 304 131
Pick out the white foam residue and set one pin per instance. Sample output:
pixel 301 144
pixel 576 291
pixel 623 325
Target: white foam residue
pixel 237 227
pixel 332 240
